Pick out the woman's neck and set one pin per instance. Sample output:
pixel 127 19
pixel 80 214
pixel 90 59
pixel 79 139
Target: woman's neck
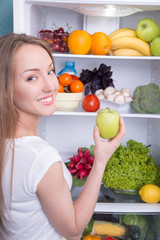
pixel 27 127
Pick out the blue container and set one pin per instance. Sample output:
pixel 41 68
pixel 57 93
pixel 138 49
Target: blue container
pixel 69 68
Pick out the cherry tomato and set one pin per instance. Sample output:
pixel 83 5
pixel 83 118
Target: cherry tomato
pixel 76 86
pixel 90 103
pixel 74 77
pixel 65 79
pixel 61 88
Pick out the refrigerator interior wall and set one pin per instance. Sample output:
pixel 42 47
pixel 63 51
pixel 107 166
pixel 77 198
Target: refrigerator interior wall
pixel 50 12
pixel 67 133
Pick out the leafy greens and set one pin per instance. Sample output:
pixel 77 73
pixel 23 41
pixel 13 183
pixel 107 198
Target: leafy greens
pixel 131 167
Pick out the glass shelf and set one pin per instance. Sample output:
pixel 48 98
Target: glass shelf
pixel 69 55
pixel 93 114
pixel 109 202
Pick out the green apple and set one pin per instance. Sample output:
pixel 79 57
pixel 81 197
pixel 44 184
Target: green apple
pixel 107 121
pixel 147 29
pixel 155 46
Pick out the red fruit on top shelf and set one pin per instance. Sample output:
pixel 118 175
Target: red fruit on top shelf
pixel 61 30
pixel 56 47
pixel 48 31
pixel 62 50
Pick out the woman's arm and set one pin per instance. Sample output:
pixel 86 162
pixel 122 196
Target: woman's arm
pixel 70 218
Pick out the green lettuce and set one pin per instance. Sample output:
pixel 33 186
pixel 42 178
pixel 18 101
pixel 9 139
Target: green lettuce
pixel 131 167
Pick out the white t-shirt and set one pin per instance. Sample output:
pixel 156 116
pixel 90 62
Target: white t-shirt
pixel 26 218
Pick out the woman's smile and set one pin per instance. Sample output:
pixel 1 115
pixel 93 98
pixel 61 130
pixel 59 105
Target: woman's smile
pixel 46 100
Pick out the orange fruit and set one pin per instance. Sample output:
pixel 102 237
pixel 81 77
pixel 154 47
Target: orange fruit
pixel 79 42
pixel 61 88
pixel 92 237
pixel 101 43
pixel 76 86
pixel 65 79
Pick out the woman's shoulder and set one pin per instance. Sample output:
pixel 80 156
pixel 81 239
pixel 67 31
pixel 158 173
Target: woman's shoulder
pixel 34 143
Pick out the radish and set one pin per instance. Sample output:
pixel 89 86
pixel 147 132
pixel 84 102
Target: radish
pixel 87 153
pixel 77 175
pixel 76 158
pixel 71 165
pixel 91 159
pixel 73 171
pixel 79 166
pixel 80 152
pixel 83 160
pixel 87 166
pixel 82 173
pixel 71 159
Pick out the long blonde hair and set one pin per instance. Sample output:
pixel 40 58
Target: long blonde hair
pixel 9 44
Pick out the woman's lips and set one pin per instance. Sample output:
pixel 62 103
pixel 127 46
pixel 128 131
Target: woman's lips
pixel 46 100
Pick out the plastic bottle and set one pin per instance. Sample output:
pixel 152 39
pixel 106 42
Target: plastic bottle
pixel 69 68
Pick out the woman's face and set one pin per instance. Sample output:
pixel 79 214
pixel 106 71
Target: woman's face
pixel 35 82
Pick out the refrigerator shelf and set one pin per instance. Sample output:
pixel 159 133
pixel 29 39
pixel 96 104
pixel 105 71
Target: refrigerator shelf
pixel 93 114
pixel 127 208
pixel 69 55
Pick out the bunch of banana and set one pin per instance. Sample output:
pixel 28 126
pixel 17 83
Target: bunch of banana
pixel 124 42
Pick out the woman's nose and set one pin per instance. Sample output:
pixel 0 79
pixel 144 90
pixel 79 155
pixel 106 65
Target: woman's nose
pixel 50 84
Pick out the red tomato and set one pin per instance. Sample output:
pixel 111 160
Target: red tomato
pixel 90 103
pixel 74 77
pixel 109 238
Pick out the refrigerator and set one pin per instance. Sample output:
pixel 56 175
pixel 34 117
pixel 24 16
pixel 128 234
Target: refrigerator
pixel 69 130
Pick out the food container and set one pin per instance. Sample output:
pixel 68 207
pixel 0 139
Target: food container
pixel 58 42
pixel 126 192
pixel 115 106
pixel 68 101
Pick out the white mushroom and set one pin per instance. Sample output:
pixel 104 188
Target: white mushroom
pixel 128 99
pixel 111 97
pixel 108 91
pixel 117 93
pixel 119 99
pixel 101 96
pixel 126 92
pixel 99 92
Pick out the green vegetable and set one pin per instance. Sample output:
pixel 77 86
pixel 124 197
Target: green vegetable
pixel 150 235
pixel 88 228
pixel 76 182
pixel 135 232
pixel 138 225
pixel 146 99
pixel 131 167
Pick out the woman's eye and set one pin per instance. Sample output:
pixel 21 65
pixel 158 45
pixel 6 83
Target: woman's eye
pixel 51 72
pixel 31 78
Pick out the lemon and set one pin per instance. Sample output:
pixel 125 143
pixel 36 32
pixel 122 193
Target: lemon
pixel 150 193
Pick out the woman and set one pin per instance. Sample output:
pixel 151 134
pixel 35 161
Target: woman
pixel 35 199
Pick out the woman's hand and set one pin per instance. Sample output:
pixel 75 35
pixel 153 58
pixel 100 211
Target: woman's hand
pixel 104 149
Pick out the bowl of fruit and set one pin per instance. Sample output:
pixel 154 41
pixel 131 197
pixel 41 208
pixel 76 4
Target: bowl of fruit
pixel 70 92
pixel 56 39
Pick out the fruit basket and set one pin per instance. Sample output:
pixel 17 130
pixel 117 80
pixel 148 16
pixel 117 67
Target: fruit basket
pixel 68 101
